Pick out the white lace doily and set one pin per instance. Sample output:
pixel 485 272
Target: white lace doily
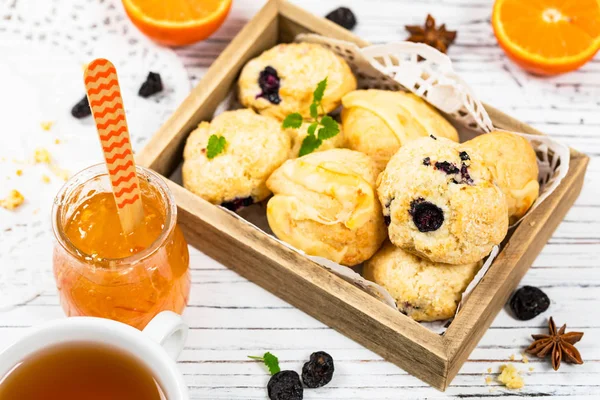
pixel 43 47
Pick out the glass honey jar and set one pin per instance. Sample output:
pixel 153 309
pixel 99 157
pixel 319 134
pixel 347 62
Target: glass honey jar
pixel 100 271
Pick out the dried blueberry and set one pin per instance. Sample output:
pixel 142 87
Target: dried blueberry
pixel 81 109
pixel 285 385
pixel 237 204
pixel 152 85
pixel 318 371
pixel 269 82
pixel 387 220
pixel 464 156
pixel 427 161
pixel 447 167
pixel 427 216
pixel 528 302
pixel 342 16
pixel 464 175
pixel 406 306
pixel 433 137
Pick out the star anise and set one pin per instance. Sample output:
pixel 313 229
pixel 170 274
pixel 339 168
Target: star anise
pixel 557 342
pixel 439 38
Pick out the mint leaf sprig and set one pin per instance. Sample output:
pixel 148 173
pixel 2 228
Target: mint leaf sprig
pixel 328 127
pixel 216 145
pixel 270 361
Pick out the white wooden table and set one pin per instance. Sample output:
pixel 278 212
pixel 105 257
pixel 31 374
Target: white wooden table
pixel 231 318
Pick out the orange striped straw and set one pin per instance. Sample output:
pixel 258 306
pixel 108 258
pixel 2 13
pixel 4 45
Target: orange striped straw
pixel 104 95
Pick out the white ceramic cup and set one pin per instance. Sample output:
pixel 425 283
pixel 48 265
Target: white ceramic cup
pixel 157 346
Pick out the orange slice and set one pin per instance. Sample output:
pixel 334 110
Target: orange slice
pixel 548 37
pixel 177 22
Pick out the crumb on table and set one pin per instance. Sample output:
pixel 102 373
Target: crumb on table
pixel 525 359
pixel 13 200
pixel 510 377
pixel 45 179
pixel 47 125
pixel 59 172
pixel 41 155
pixel 19 172
pixel 56 141
pixel 488 380
pixel 489 370
pixel 512 357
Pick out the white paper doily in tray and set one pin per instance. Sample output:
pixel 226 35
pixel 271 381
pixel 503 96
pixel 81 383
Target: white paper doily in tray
pixel 417 67
pixel 43 47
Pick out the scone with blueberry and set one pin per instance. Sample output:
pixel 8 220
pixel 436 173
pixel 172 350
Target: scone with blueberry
pixel 513 165
pixel 282 80
pixel 325 204
pixel 440 202
pixel 423 290
pixel 255 145
pixel 379 122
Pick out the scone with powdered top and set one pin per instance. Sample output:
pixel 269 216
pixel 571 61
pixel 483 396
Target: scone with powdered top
pixel 440 202
pixel 255 146
pixel 423 290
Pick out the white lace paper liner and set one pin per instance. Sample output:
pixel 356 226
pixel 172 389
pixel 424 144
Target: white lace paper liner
pixel 416 67
pixel 427 73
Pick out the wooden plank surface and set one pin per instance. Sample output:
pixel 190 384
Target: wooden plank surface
pixel 232 318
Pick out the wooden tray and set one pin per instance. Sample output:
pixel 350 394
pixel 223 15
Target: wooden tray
pixel 433 358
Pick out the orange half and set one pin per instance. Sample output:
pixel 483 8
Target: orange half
pixel 548 37
pixel 177 22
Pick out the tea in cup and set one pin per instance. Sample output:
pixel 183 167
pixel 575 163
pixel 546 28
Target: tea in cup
pixel 96 359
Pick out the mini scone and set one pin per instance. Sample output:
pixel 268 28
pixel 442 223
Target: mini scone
pixel 440 202
pixel 379 122
pixel 513 164
pixel 325 204
pixel 298 135
pixel 423 290
pixel 255 146
pixel 282 80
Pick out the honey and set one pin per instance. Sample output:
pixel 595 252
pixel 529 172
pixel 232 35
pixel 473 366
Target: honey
pixel 101 271
pixel 95 228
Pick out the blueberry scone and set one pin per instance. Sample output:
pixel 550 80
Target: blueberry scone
pixel 325 204
pixel 513 165
pixel 298 135
pixel 440 202
pixel 255 146
pixel 282 80
pixel 379 122
pixel 423 290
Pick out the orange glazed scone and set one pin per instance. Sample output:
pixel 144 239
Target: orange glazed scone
pixel 255 146
pixel 513 164
pixel 423 290
pixel 282 80
pixel 379 122
pixel 298 135
pixel 440 202
pixel 324 203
